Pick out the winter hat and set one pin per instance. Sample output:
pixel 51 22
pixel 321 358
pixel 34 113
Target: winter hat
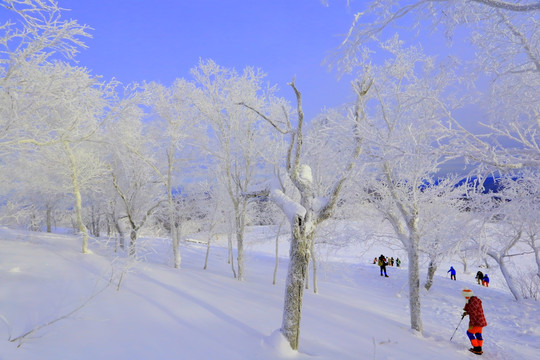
pixel 467 293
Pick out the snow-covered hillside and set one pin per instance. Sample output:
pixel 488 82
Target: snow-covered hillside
pixel 163 313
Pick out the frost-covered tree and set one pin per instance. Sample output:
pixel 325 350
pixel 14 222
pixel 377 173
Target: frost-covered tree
pixel 509 56
pixel 406 137
pixel 137 185
pixel 135 189
pixel 29 36
pixel 528 192
pixel 326 143
pixel 510 227
pixel 376 16
pixel 171 131
pixel 45 103
pixel 444 223
pixel 305 209
pixel 235 133
pixel 505 66
pixel 59 115
pixel 41 187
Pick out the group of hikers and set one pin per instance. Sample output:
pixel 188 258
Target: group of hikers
pixel 384 261
pixel 473 306
pixel 483 279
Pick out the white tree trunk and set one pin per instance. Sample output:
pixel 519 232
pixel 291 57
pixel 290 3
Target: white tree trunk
pixel 230 258
pixel 175 238
pixel 240 255
pixel 78 198
pixel 507 276
pixel 465 264
pixel 175 228
pixel 414 286
pixel 240 217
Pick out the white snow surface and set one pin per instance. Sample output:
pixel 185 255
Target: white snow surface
pixel 164 313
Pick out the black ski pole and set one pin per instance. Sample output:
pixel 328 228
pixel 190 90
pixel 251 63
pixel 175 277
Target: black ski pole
pixel 462 316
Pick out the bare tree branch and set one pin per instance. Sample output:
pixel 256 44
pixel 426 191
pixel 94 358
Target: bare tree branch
pixel 270 121
pixel 533 6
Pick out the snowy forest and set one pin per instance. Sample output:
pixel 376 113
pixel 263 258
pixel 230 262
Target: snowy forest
pixel 220 153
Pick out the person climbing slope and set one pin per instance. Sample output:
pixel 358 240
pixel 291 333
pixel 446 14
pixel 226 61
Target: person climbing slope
pixel 383 263
pixel 477 321
pixel 485 280
pixel 479 277
pixel 452 272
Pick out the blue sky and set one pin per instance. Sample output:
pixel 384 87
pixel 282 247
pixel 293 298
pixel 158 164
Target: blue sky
pixel 136 40
pixel 142 40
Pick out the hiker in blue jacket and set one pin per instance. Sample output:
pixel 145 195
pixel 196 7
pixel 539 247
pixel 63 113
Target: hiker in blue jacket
pixel 485 280
pixel 452 272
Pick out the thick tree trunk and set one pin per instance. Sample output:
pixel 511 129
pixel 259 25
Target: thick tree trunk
pixel 176 235
pixel 414 286
pixel 175 227
pixel 240 255
pixel 294 288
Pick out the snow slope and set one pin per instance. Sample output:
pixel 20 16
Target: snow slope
pixel 163 313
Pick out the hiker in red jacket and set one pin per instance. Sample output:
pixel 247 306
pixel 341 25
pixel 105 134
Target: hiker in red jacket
pixel 477 321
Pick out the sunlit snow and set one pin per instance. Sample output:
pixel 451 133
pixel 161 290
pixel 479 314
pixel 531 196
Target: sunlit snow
pixel 160 312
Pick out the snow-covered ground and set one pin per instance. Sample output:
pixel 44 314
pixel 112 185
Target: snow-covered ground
pixel 163 313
